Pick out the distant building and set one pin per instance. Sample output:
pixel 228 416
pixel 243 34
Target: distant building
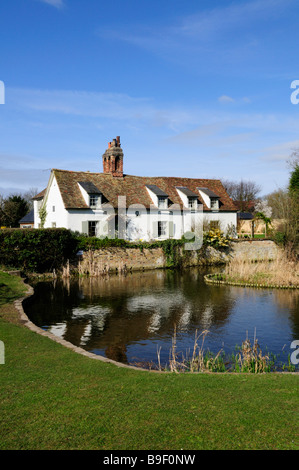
pixel 28 220
pixel 132 207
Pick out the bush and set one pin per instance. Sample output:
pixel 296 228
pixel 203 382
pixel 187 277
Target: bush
pixel 216 238
pixel 38 250
pixel 280 238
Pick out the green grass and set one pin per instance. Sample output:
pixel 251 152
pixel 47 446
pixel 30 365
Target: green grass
pixel 53 398
pixel 11 288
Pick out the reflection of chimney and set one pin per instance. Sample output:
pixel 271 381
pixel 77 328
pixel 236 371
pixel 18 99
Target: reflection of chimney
pixel 113 159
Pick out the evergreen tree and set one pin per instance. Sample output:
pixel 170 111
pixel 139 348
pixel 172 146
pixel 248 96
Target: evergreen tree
pixel 13 209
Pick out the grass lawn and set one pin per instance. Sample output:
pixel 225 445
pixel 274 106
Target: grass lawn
pixel 53 398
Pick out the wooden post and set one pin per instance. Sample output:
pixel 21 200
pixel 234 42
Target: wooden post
pixel 252 228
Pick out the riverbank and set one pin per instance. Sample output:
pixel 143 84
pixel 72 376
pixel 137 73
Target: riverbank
pixel 282 273
pixel 53 398
pixel 121 259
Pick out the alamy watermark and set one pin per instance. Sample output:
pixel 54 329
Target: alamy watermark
pixel 2 353
pixel 2 92
pixel 295 354
pixel 295 95
pixel 139 222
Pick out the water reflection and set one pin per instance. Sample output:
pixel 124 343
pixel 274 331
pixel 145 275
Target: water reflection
pixel 126 318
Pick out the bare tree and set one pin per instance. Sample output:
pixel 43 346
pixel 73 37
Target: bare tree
pixel 243 193
pixel 279 203
pixel 28 195
pixel 293 160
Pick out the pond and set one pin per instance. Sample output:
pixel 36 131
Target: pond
pixel 129 318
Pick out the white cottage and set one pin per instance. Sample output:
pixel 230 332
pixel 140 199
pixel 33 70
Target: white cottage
pixel 132 207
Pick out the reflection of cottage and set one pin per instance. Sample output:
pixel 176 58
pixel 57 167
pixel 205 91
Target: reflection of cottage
pixel 28 220
pixel 133 207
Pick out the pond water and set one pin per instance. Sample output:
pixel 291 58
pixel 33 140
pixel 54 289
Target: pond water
pixel 129 318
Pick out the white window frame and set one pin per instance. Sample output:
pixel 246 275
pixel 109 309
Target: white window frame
pixel 162 202
pixel 162 229
pixel 94 198
pixel 192 203
pixel 214 204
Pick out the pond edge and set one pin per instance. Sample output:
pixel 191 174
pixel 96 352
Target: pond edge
pixel 209 280
pixel 31 326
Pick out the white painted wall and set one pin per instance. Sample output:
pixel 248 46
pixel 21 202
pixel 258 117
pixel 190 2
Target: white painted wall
pixel 139 227
pixel 56 213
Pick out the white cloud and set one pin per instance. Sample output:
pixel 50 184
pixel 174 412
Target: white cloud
pixel 226 99
pixel 54 3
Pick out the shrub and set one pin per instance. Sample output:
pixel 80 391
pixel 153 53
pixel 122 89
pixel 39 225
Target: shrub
pixel 215 238
pixel 38 250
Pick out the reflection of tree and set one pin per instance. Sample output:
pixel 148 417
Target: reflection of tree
pixel 117 353
pixel 109 314
pixel 289 300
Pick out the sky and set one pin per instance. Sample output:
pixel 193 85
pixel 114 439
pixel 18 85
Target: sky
pixel 199 89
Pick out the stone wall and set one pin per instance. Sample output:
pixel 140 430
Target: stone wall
pixel 134 259
pixel 255 250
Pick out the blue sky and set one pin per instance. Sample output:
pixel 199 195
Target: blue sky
pixel 194 88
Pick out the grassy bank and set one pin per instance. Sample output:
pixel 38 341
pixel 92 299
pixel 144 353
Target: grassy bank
pixel 281 272
pixel 53 398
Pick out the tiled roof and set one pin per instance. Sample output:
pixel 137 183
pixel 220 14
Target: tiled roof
pixel 156 190
pixel 40 195
pixel 28 218
pixel 89 187
pixel 187 191
pixel 208 192
pixel 134 189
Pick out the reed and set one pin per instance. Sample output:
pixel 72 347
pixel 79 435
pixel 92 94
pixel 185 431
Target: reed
pixel 280 272
pixel 248 359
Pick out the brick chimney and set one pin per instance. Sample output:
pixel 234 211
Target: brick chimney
pixel 113 159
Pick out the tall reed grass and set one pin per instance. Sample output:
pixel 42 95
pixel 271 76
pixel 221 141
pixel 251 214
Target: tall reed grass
pixel 248 358
pixel 281 272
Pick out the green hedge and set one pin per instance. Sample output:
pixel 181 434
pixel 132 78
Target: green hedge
pixel 39 250
pixel 43 250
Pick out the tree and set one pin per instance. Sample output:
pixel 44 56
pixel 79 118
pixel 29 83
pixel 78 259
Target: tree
pixel 28 195
pixel 263 212
pixel 243 193
pixel 294 181
pixel 279 203
pixel 13 209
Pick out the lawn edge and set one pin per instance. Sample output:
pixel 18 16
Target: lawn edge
pixel 24 320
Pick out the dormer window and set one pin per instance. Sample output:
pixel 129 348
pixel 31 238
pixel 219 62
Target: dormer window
pixel 192 203
pixel 188 197
pixel 91 194
pixel 214 204
pixel 162 202
pixel 158 196
pixel 94 200
pixel 210 198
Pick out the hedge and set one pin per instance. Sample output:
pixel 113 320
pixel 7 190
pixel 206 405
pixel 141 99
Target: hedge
pixel 42 250
pixel 39 250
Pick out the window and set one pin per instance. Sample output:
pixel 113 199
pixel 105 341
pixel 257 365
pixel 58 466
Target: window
pixel 162 202
pixel 214 203
pixel 92 229
pixel 53 208
pixel 192 203
pixel 93 200
pixel 53 224
pixel 162 229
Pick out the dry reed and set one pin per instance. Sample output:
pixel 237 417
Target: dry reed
pixel 249 358
pixel 281 272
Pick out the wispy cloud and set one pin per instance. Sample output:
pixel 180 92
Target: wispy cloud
pixel 54 3
pixel 280 152
pixel 226 99
pixel 229 34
